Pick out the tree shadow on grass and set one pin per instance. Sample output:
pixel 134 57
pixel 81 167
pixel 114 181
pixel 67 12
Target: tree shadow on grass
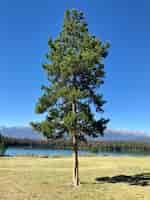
pixel 138 179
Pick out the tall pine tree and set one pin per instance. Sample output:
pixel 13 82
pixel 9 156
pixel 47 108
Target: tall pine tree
pixel 75 72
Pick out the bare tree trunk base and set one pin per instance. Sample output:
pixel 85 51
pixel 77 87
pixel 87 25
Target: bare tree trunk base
pixel 76 181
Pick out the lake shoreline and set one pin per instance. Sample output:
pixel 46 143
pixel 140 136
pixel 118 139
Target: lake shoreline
pixel 20 151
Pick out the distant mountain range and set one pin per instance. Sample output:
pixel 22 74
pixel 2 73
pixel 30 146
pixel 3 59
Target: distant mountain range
pixel 21 132
pixel 110 134
pixel 125 135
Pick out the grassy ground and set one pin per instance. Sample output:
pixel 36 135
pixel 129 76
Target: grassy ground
pixel 27 178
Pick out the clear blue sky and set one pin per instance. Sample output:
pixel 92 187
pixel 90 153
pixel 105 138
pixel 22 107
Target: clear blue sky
pixel 25 28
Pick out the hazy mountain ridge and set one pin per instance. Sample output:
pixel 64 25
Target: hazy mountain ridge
pixel 125 135
pixel 110 134
pixel 20 132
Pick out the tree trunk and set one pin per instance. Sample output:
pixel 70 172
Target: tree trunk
pixel 75 149
pixel 76 181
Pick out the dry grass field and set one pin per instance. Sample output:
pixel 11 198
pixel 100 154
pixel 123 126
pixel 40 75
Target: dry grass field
pixel 31 178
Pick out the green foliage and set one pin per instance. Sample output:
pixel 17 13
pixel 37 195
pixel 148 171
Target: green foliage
pixel 3 146
pixel 75 71
pixel 94 149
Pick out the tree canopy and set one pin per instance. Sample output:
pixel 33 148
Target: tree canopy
pixel 75 72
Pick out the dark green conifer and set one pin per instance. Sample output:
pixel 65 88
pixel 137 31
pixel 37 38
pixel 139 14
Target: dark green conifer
pixel 75 72
pixel 3 146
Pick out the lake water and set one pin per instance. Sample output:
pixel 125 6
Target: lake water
pixel 11 151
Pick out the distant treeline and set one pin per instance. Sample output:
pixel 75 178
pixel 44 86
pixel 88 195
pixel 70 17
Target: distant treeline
pixel 94 146
pixel 119 146
pixel 3 145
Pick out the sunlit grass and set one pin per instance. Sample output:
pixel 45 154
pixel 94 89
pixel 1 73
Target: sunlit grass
pixel 50 178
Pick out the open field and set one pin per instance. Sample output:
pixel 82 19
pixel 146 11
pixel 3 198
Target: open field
pixel 27 178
